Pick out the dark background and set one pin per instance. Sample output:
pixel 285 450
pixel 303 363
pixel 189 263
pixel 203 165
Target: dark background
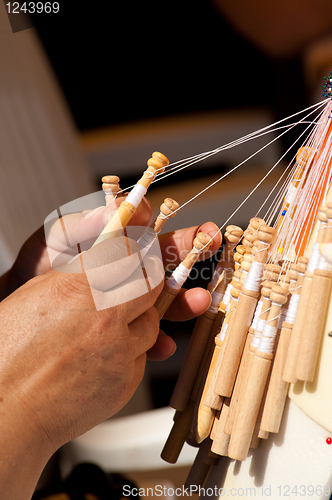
pixel 120 61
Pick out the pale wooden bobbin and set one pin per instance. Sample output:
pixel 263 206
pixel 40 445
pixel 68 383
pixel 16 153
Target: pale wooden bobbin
pixel 110 187
pixel 316 313
pixel 199 341
pixel 252 393
pixel 299 326
pixel 220 440
pixel 222 275
pixel 236 337
pixel 168 209
pixel 250 348
pixel 212 399
pixel 128 207
pixel 278 388
pixel 173 285
pixel 203 416
pixel 238 255
pixel 231 237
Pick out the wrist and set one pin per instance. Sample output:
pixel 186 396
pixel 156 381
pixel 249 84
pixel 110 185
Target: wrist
pixel 23 454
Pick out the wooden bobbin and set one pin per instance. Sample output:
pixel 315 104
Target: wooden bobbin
pixel 289 372
pixel 220 438
pixel 224 268
pixel 252 393
pixel 203 415
pixel 213 399
pixel 201 243
pixel 239 253
pixel 278 388
pixel 249 350
pixel 126 210
pixel 178 435
pixel 316 314
pixel 168 209
pixel 236 337
pixel 111 187
pixel 232 237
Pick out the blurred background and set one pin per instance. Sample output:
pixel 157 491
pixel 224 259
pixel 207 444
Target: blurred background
pixel 91 91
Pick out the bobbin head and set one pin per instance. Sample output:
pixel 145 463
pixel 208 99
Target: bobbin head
pixel 158 162
pixel 241 249
pixel 271 272
pixel 169 207
pixel 110 183
pixel 249 236
pixel 233 234
pixel 255 223
pixel 266 234
pixel 202 241
pixel 279 294
pixel 246 261
pixel 302 264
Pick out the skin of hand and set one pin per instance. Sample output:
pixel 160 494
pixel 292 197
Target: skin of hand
pixel 34 260
pixel 66 366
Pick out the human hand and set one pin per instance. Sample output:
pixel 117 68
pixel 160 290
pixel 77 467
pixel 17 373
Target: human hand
pixel 34 256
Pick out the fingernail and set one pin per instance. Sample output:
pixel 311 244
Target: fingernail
pixel 92 212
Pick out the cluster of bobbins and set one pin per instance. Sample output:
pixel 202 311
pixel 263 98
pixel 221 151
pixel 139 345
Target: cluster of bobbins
pixel 244 353
pixel 262 331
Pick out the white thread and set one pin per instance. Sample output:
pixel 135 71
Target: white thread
pixel 216 298
pixel 163 216
pixel 253 280
pixel 266 343
pixel 146 240
pixel 223 331
pixel 178 277
pixel 257 314
pixel 227 295
pixel 291 194
pixel 258 332
pixel 292 308
pixel 136 195
pixel 314 258
pixel 283 314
